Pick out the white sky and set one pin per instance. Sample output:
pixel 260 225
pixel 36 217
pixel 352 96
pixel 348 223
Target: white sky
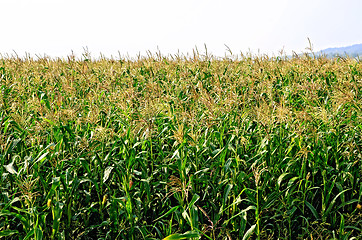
pixel 56 27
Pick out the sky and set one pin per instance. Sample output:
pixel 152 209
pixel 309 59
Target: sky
pixel 56 28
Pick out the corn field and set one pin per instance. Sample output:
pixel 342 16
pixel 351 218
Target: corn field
pixel 181 148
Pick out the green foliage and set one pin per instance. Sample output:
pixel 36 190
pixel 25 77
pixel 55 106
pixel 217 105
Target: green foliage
pixel 172 148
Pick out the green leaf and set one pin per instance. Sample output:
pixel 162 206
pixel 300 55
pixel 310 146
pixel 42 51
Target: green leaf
pixel 281 177
pixel 10 168
pixel 107 172
pixel 248 233
pixel 41 157
pixel 6 233
pixel 169 212
pixel 226 194
pixel 333 202
pixel 194 199
pixel 341 225
pixel 353 227
pixel 271 199
pixel 186 235
pixel 55 185
pixel 312 209
pixel 18 216
pixel 241 212
pixel 348 203
pixel 186 216
pixel 29 235
pixel 38 233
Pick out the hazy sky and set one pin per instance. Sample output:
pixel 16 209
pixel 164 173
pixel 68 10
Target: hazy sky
pixel 55 27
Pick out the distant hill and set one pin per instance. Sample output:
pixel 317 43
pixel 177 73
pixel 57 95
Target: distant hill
pixel 352 51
